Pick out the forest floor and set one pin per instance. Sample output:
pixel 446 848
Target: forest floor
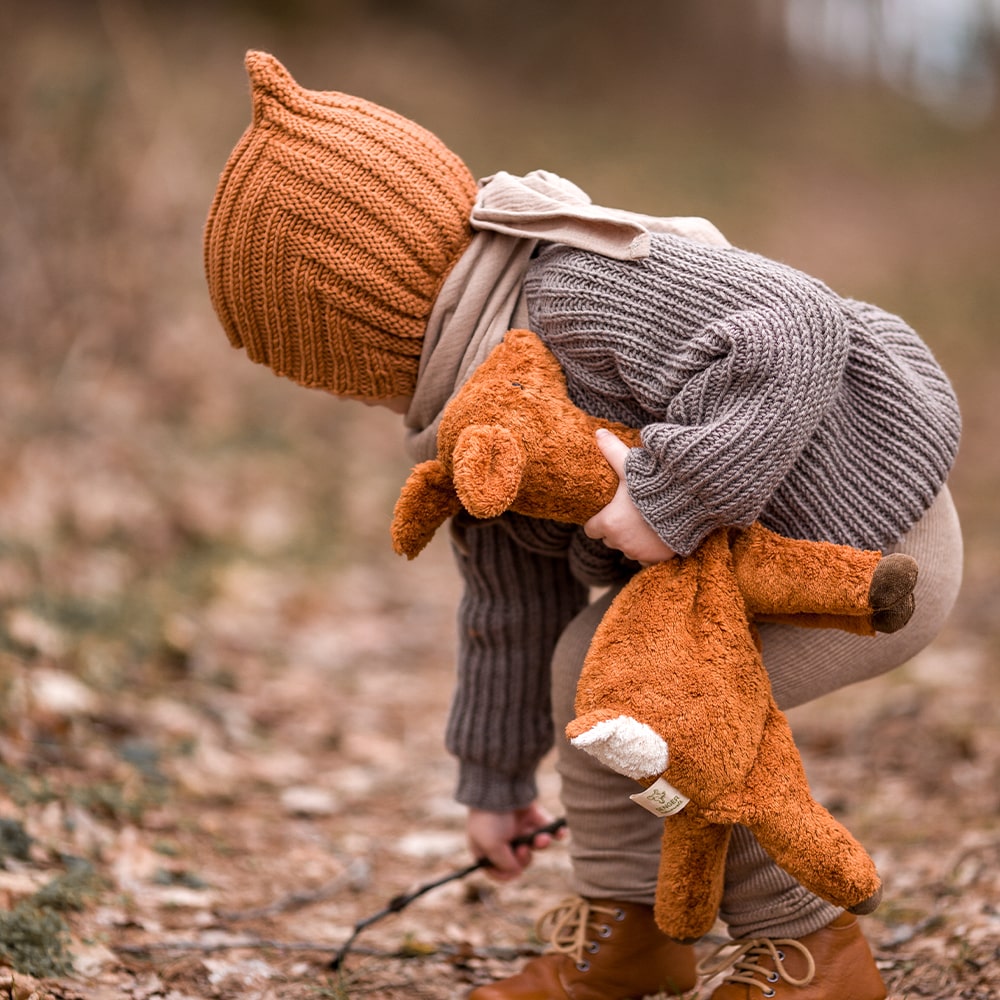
pixel 205 831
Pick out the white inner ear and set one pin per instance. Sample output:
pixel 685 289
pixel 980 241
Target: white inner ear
pixel 625 745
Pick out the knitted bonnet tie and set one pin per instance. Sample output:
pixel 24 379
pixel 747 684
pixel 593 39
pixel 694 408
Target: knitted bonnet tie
pixel 333 226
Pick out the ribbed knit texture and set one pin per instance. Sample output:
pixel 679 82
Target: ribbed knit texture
pixel 762 394
pixel 332 228
pixel 500 724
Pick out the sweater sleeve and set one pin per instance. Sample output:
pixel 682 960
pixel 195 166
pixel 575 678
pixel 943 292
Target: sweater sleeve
pixel 516 601
pixel 760 382
pixel 726 360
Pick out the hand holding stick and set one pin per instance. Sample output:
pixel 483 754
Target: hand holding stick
pixel 403 900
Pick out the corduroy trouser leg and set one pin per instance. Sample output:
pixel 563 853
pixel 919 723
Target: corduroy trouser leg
pixel 615 844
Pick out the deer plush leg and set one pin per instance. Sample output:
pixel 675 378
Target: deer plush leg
pixel 801 836
pixel 762 900
pixel 691 875
pixel 891 593
pixel 891 602
pixel 781 575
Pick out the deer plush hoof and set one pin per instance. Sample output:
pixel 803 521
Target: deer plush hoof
pixel 891 592
pixel 870 904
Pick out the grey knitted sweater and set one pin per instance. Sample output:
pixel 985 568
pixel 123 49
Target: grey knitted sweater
pixel 761 394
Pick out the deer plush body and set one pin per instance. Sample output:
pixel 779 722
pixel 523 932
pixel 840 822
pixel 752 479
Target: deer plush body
pixel 673 691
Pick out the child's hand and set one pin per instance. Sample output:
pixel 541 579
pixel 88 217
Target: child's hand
pixel 620 524
pixel 490 834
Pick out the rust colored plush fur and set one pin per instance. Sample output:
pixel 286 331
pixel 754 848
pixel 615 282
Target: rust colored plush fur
pixel 696 678
pixel 677 653
pixel 510 440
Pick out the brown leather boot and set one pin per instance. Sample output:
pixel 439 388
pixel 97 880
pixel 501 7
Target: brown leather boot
pixel 600 950
pixel 833 963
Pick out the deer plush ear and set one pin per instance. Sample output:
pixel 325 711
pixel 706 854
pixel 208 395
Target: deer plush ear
pixel 487 465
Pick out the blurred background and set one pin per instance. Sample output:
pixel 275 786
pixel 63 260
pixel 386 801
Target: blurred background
pixel 169 511
pixel 856 139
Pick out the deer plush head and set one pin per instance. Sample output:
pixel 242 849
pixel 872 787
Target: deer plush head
pixel 510 439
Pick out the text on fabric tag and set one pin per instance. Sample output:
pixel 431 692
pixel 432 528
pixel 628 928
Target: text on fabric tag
pixel 661 798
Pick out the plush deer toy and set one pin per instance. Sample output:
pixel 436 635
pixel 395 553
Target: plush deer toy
pixel 673 691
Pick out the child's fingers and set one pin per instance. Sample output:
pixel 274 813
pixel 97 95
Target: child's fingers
pixel 614 450
pixel 506 864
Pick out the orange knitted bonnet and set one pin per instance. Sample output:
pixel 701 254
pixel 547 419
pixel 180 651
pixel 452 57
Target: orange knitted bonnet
pixel 334 224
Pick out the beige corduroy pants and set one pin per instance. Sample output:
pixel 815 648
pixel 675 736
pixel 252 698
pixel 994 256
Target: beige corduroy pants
pixel 615 844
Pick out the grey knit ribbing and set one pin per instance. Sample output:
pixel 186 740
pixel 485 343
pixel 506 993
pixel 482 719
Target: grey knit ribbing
pixel 516 602
pixel 762 394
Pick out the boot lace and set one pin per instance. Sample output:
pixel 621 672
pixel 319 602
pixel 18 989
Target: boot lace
pixel 745 958
pixel 576 926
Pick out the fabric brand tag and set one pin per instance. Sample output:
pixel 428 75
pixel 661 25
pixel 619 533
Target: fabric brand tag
pixel 661 798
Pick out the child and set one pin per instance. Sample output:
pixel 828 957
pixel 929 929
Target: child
pixel 351 251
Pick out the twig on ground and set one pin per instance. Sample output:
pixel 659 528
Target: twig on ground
pixel 355 875
pixel 234 944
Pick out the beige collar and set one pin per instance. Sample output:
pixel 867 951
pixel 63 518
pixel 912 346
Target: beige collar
pixel 481 299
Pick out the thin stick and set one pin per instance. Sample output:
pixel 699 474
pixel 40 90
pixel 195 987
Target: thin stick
pixel 397 903
pixel 298 899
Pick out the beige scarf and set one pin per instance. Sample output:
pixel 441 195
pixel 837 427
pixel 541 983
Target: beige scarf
pixel 482 298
